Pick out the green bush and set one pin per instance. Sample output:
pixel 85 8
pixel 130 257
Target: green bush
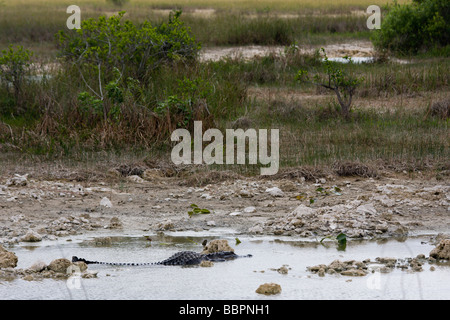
pixel 106 43
pixel 14 65
pixel 410 28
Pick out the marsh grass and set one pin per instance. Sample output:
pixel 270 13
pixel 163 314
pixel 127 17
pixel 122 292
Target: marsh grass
pixel 36 23
pixel 312 132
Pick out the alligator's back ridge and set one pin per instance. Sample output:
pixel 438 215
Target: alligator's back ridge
pixel 182 258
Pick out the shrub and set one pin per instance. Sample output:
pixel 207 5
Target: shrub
pixel 410 28
pixel 14 65
pixel 103 45
pixel 343 84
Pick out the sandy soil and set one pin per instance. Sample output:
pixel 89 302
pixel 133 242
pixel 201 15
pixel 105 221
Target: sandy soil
pixel 55 208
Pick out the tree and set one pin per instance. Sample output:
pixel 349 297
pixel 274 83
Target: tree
pixel 341 83
pixel 14 65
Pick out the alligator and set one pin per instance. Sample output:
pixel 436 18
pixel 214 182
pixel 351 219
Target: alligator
pixel 182 258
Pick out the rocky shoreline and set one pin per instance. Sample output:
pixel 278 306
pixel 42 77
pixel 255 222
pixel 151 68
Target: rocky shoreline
pixel 34 209
pixel 385 265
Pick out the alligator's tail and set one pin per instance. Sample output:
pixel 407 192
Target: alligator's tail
pixel 76 259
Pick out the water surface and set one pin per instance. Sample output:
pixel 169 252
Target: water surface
pixel 237 279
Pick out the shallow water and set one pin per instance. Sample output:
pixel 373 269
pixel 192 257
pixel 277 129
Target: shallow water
pixel 237 279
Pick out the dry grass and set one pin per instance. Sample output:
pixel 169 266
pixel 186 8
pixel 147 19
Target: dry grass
pixel 354 169
pixel 280 5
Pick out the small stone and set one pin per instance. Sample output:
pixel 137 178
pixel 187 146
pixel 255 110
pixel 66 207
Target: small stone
pixel 256 229
pixel 38 266
pixel 337 266
pixel 282 270
pixel 206 264
pixel 245 193
pixel 105 202
pixel 115 223
pixel 89 275
pixel 31 236
pixel 135 178
pixel 249 209
pixel 269 289
pixel 18 180
pixel 59 265
pixel 321 272
pixel 353 272
pixel 7 259
pixel 217 245
pixel 165 225
pixel 28 277
pixel 275 192
pixel 442 250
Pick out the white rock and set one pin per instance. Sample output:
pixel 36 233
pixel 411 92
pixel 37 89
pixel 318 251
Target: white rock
pixel 256 229
pixel 18 180
pixel 366 208
pixel 206 196
pixel 303 211
pixel 31 236
pixel 235 213
pixel 135 178
pixel 211 223
pixel 385 200
pixel 275 192
pixel 249 209
pixel 38 266
pixel 105 202
pixel 245 193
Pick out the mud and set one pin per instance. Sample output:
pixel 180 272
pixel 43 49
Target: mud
pixel 35 209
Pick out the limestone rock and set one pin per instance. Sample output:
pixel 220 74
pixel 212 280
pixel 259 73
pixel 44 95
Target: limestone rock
pixel 354 272
pixel 59 265
pixel 105 202
pixel 275 192
pixel 7 259
pixel 442 250
pixel 206 264
pixel 135 178
pixel 38 266
pixel 114 223
pixel 217 246
pixel 165 225
pixel 269 289
pixel 18 180
pixel 31 236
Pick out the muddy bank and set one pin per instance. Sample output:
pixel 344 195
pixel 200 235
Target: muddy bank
pixel 35 209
